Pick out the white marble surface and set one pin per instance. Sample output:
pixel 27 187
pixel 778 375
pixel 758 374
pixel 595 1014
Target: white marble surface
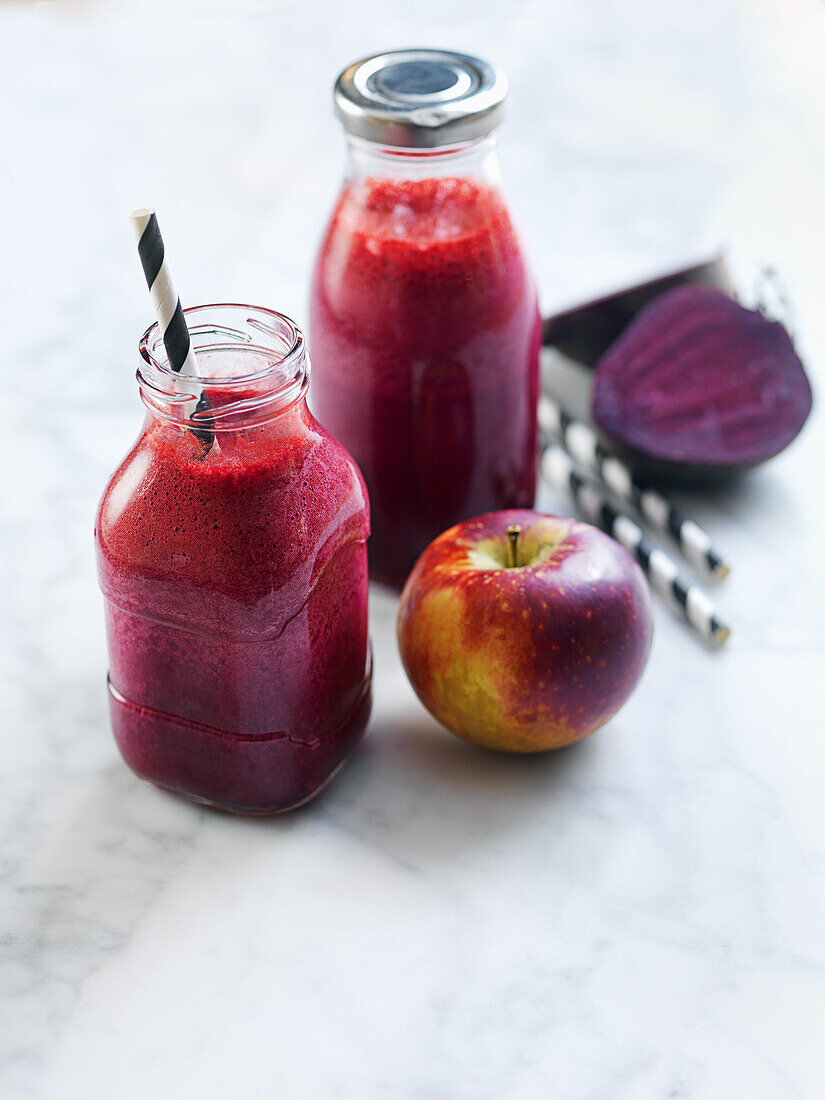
pixel 638 917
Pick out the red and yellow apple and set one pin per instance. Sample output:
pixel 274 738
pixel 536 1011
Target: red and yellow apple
pixel 524 632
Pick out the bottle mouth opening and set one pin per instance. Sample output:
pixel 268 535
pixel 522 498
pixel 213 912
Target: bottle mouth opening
pixel 230 327
pixel 251 361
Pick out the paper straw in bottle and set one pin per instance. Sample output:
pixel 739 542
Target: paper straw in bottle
pixel 169 313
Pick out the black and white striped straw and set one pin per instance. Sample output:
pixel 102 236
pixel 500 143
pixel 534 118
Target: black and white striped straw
pixel 661 570
pixel 168 311
pixel 584 445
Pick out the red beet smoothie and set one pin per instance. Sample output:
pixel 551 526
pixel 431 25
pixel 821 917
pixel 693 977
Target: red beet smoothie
pixel 236 604
pixel 425 340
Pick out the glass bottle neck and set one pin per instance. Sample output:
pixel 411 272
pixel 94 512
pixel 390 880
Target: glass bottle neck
pixel 269 422
pixel 477 160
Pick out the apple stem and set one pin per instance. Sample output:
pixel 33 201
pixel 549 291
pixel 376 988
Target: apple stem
pixel 513 534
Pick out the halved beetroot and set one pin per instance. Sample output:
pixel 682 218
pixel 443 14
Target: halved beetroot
pixel 698 388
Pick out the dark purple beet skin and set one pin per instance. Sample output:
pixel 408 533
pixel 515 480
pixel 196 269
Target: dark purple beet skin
pixel 698 388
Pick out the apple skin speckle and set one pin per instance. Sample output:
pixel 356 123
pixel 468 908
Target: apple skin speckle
pixel 529 658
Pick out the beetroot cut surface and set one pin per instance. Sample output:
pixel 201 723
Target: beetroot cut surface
pixel 698 388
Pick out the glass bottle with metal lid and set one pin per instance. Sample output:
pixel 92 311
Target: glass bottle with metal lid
pixel 424 324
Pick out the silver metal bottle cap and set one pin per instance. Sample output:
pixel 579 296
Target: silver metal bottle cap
pixel 420 99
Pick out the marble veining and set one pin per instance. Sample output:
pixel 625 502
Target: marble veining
pixel 637 917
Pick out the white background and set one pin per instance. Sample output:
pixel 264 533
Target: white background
pixel 637 917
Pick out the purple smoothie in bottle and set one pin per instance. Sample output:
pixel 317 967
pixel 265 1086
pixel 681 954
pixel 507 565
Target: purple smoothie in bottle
pixel 424 319
pixel 236 577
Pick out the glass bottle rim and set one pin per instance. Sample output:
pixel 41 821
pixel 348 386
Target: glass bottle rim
pixel 153 352
pixel 279 373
